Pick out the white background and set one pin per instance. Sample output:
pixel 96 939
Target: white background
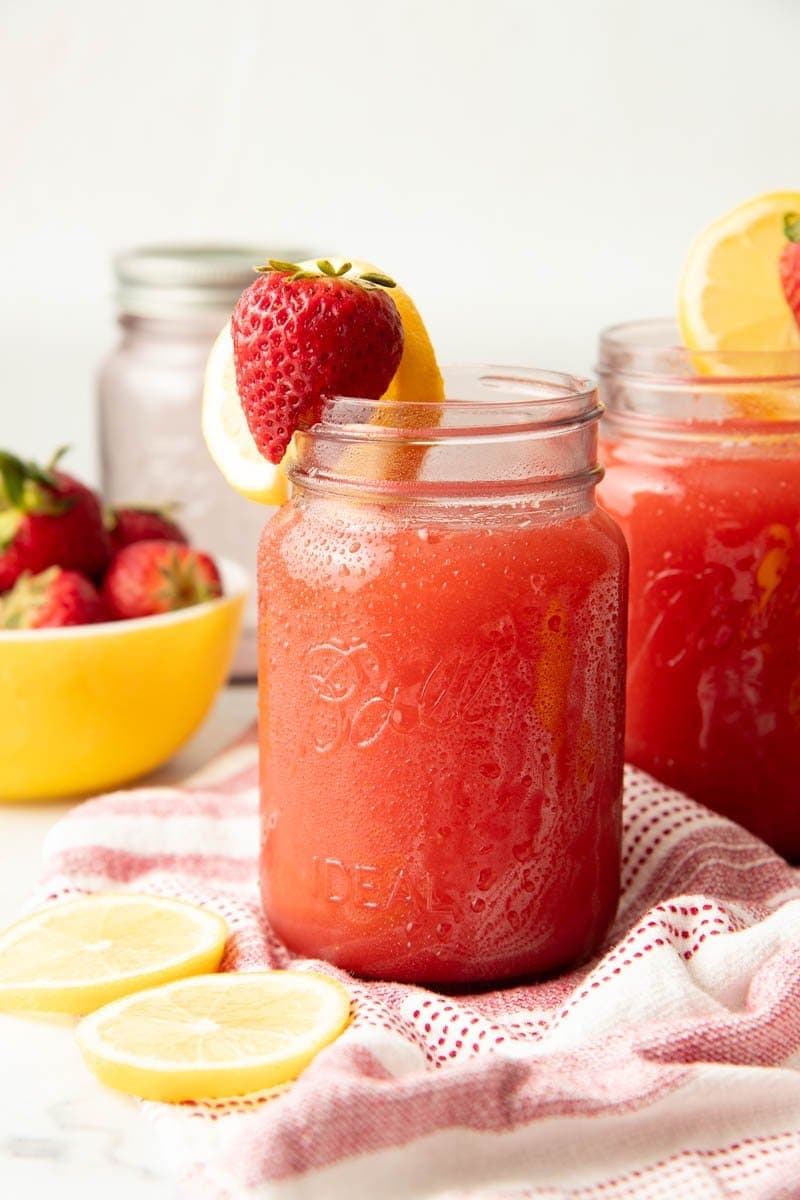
pixel 530 169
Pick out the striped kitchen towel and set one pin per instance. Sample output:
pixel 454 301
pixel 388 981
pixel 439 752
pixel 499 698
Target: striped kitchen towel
pixel 667 1068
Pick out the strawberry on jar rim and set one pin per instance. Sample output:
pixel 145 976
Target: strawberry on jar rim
pixel 301 335
pixel 52 599
pixel 131 523
pixel 153 577
pixel 789 264
pixel 47 518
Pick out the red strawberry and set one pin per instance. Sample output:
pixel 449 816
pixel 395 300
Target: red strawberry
pixel 158 577
pixel 790 263
pixel 52 598
pixel 47 519
pixel 141 524
pixel 299 337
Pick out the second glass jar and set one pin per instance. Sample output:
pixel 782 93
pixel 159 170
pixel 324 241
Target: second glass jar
pixel 173 302
pixel 442 652
pixel 703 460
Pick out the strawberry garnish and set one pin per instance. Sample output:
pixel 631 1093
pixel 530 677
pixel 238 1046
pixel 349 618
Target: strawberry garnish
pixel 146 578
pixel 49 600
pixel 790 263
pixel 130 524
pixel 47 518
pixel 300 336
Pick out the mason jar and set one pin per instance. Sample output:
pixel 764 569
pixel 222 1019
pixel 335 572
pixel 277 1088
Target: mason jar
pixel 441 666
pixel 172 302
pixel 702 453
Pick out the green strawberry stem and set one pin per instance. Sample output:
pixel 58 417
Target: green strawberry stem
pixel 183 583
pixel 326 269
pixel 377 277
pixel 15 474
pixel 791 226
pixel 26 488
pixel 54 461
pixel 28 594
pixel 12 479
pixel 10 520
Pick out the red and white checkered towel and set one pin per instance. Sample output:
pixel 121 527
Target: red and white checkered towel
pixel 668 1068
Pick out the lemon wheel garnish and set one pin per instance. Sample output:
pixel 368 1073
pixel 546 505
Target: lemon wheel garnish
pixel 730 294
pixel 228 438
pixel 75 956
pixel 214 1035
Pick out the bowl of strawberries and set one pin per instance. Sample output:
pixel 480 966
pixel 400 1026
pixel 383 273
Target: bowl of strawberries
pixel 115 634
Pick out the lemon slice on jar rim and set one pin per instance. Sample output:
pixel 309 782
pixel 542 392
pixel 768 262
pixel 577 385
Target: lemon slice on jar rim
pixel 730 295
pixel 227 436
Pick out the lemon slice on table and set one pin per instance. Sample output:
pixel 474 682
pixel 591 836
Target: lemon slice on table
pixel 214 1035
pixel 230 443
pixel 75 956
pixel 730 293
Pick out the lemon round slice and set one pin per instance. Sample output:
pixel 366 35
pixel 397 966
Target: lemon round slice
pixel 214 1035
pixel 229 441
pixel 75 956
pixel 730 294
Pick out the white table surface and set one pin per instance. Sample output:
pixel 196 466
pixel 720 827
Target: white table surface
pixel 61 1133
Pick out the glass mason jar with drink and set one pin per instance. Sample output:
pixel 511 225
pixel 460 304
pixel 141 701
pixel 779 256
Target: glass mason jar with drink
pixel 703 476
pixel 441 662
pixel 701 445
pixel 441 666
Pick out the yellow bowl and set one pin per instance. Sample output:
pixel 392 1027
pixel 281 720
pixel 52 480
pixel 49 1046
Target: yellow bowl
pixel 93 706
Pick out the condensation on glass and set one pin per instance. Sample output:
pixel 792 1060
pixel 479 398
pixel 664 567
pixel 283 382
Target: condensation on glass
pixel 441 678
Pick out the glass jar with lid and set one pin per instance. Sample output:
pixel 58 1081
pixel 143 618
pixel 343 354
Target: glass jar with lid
pixel 172 302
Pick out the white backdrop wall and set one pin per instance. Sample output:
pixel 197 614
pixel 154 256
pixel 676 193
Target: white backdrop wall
pixel 530 169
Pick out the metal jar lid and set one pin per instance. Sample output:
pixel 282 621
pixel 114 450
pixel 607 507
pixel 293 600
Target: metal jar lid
pixel 178 281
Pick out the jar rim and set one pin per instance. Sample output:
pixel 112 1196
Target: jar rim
pixel 484 398
pixel 503 432
pixel 652 349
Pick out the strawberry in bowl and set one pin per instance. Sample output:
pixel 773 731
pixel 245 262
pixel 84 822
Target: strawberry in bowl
pixel 156 576
pixel 53 599
pixel 48 519
pixel 96 705
pixel 114 641
pixel 138 523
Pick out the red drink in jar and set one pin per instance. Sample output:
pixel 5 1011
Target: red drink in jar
pixel 441 667
pixel 703 476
